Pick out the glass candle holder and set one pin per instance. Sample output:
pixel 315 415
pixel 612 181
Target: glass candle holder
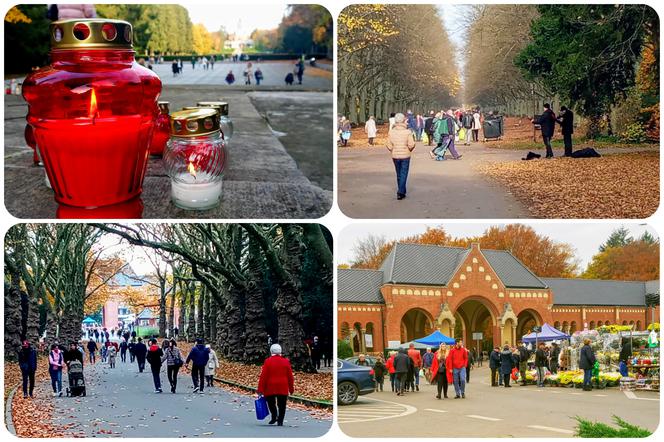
pixel 162 130
pixel 93 111
pixel 225 123
pixel 195 158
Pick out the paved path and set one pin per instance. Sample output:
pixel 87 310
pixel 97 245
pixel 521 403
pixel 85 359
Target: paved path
pixel 122 402
pixel 436 189
pixel 261 179
pixel 274 73
pixel 492 411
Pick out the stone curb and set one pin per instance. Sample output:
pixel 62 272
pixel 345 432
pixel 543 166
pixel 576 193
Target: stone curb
pixel 299 399
pixel 9 421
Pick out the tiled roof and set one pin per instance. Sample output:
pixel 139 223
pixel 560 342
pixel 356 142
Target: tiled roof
pixel 511 271
pixel 359 286
pixel 598 292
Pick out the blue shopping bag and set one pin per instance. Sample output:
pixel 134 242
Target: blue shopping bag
pixel 261 408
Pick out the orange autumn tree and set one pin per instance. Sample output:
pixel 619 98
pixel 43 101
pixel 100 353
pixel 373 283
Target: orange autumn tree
pixel 100 272
pixel 635 261
pixel 542 255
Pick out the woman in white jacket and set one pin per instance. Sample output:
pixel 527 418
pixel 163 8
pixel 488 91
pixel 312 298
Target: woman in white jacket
pixel 370 129
pixel 211 367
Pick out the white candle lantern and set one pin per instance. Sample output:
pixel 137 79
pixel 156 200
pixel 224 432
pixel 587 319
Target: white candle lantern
pixel 194 158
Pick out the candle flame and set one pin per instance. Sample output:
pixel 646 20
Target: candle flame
pixel 93 105
pixel 191 169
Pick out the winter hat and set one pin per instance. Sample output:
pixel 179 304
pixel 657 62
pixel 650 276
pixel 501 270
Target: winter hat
pixel 275 349
pixel 199 341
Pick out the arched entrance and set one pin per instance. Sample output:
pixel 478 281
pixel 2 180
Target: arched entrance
pixel 358 339
pixel 415 324
pixel 475 315
pixel 527 319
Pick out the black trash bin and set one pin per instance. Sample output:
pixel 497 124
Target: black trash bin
pixel 492 128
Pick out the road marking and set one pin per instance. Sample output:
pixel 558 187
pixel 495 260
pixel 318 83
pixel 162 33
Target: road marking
pixel 577 394
pixel 363 413
pixel 631 395
pixel 476 416
pixel 434 410
pixel 556 430
pixel 600 395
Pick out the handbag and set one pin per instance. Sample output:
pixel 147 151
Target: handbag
pixel 260 405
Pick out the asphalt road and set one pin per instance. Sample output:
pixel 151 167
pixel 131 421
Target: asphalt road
pixel 122 402
pixel 492 411
pixel 274 73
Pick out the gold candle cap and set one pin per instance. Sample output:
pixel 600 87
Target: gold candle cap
pixel 194 122
pixel 164 107
pixel 222 106
pixel 91 33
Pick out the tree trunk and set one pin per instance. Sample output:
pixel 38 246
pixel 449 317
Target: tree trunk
pixel 171 312
pixel 191 313
pixel 222 325
pixel 255 348
pixel 181 316
pixel 162 308
pixel 12 312
pixel 200 313
pixel 212 319
pixel 289 306
pixel 70 322
pixel 234 319
pixel 206 316
pixel 594 127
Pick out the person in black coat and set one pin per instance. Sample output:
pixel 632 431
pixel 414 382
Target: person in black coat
pixel 494 365
pixel 540 364
pixel 27 362
pixel 524 355
pixel 154 358
pixel 625 351
pixel 553 358
pixel 92 348
pixel 547 123
pixel 123 350
pixel 506 365
pixel 131 346
pixel 73 354
pixel 586 363
pixel 566 121
pixel 140 351
pixel 401 370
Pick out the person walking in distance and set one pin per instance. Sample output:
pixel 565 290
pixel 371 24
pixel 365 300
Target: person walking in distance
pixel 506 365
pixel 400 143
pixel 428 127
pixel 540 364
pixel 276 382
pixel 494 366
pixel 477 124
pixel 401 370
pixel 416 357
pixel 547 123
pixel 427 361
pixel 27 362
pixel 315 351
pixel 441 374
pixel 524 355
pixel 173 363
pixel 55 363
pixel 211 367
pixel 389 364
pixel 123 350
pixel 586 363
pixel 566 121
pixel 467 122
pixel 92 349
pixel 379 373
pixel 111 354
pixel 199 356
pixel 370 129
pixel 553 357
pixel 154 358
pixel 140 352
pixel 458 358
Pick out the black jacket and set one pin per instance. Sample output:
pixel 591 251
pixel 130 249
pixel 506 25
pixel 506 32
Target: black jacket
pixel 540 358
pixel 625 352
pixel 154 357
pixel 555 354
pixel 92 346
pixel 27 359
pixel 524 354
pixel 566 121
pixel 379 370
pixel 586 358
pixel 506 362
pixel 140 350
pixel 494 359
pixel 73 355
pixel 547 122
pixel 401 363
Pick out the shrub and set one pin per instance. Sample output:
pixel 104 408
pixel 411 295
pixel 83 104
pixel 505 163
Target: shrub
pixel 654 325
pixel 634 133
pixel 600 430
pixel 343 349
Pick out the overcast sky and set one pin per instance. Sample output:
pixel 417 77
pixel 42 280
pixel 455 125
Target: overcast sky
pixel 248 16
pixel 585 238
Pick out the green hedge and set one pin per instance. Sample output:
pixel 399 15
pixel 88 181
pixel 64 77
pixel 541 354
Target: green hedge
pixel 343 349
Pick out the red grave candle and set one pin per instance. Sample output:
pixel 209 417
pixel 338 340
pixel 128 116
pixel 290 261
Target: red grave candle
pixel 93 111
pixel 162 131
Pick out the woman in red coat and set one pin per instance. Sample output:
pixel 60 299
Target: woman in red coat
pixel 390 369
pixel 441 372
pixel 276 383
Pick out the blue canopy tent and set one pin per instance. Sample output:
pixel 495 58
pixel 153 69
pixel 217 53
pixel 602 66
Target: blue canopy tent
pixel 89 320
pixel 548 333
pixel 435 339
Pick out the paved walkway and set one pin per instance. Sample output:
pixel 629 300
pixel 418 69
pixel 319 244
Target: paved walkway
pixel 436 189
pixel 492 411
pixel 261 179
pixel 122 402
pixel 274 73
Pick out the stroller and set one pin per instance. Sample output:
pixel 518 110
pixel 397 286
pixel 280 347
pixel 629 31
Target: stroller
pixel 76 380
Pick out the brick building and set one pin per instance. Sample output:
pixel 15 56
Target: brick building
pixel 421 288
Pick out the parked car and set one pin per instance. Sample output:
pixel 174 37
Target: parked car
pixel 371 360
pixel 353 381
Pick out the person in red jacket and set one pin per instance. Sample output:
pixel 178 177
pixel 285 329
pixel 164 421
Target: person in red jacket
pixel 458 360
pixel 389 364
pixel 276 383
pixel 416 356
